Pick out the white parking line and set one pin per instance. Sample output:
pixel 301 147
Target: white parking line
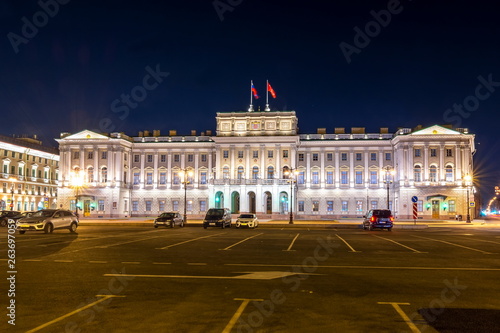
pixel 482 269
pixel 291 244
pixel 189 240
pixel 131 262
pixel 63 260
pixel 403 315
pixel 238 312
pixel 457 245
pixel 227 248
pixel 352 249
pixel 128 242
pixel 97 262
pixel 197 263
pixel 162 263
pixel 407 247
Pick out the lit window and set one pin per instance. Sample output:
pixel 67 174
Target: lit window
pixel 136 178
pixel 315 205
pixel 344 177
pixel 433 173
pixel 345 206
pixel 203 178
pixel 149 178
pixel 329 177
pixel 417 173
pixel 373 177
pixel 359 177
pixel 285 153
pixel 315 177
pixel 329 206
pixel 163 178
pixel 449 173
pixel 359 205
pixel 148 205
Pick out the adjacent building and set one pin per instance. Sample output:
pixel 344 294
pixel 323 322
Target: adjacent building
pixel 29 174
pixel 259 162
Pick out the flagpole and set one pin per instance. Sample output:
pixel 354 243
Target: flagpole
pixel 250 109
pixel 267 96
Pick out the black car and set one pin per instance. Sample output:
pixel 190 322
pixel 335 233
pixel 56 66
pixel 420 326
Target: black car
pixel 5 215
pixel 169 219
pixel 217 217
pixel 378 219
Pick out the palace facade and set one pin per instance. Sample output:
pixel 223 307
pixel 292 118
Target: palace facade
pixel 258 162
pixel 29 174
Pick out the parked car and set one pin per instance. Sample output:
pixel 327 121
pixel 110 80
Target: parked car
pixel 247 220
pixel 5 215
pixel 48 220
pixel 169 219
pixel 217 217
pixel 378 218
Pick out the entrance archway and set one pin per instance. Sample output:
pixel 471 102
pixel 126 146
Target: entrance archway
pixel 235 203
pixel 219 200
pixel 268 200
pixel 251 202
pixel 283 203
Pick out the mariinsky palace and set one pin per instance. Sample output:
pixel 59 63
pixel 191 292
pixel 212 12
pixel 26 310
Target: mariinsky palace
pixel 259 162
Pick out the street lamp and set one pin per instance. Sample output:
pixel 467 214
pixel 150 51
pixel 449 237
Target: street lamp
pixel 76 183
pixel 389 172
pixel 13 180
pixel 468 179
pixel 291 173
pixel 185 174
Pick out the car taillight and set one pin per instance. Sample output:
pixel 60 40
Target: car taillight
pixel 391 218
pixel 372 219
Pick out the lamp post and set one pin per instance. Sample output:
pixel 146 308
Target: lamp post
pixel 76 183
pixel 185 180
pixel 291 173
pixel 389 171
pixel 13 180
pixel 467 179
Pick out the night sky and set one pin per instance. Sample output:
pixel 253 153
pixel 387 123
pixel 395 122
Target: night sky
pixel 336 63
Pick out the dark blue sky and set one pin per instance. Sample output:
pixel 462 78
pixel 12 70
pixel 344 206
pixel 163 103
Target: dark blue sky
pixel 416 65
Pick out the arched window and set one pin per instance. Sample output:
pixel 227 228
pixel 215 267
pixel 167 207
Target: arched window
pixel 255 172
pixel 225 172
pixel 90 174
pixel 104 175
pixel 240 172
pixel 433 173
pixel 449 173
pixel 417 173
pixel 270 172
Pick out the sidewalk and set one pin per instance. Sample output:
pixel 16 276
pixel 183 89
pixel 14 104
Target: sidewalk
pixel 341 223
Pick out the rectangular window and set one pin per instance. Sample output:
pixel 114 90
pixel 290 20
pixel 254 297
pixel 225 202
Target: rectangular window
pixel 225 153
pixel 149 178
pixel 329 157
pixel 329 177
pixel 161 205
pixel 359 206
pixel 343 157
pixel 449 152
pixel 270 153
pixel 345 206
pixel 344 179
pixel 315 177
pixel 315 205
pixel 176 180
pixel 374 204
pixel 300 177
pixel 373 156
pixel 300 206
pixel 451 206
pixel 240 153
pixel 175 205
pixel 301 157
pixel 285 153
pixel 433 152
pixel 90 155
pixel 203 157
pixel 101 205
pixel 420 206
pixel 359 177
pixel 387 156
pixel 315 157
pixel 203 206
pixel 163 158
pixel 76 155
pixel 190 157
pixel 148 205
pixel 136 178
pixel 150 158
pixel 417 152
pixel 255 154
pixel 163 178
pixel 203 178
pixel 135 206
pixel 189 206
pixel 358 156
pixel 104 155
pixel 373 177
pixel 329 206
pixel 177 158
pixel 136 158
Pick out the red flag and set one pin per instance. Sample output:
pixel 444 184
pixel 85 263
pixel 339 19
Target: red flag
pixel 271 90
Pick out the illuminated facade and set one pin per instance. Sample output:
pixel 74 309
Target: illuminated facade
pixel 257 159
pixel 29 174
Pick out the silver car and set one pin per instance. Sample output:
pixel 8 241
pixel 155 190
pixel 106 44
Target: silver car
pixel 247 220
pixel 47 220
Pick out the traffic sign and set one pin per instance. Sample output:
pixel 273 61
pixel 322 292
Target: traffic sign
pixel 472 204
pixel 414 198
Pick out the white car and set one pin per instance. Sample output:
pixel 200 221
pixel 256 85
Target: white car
pixel 247 220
